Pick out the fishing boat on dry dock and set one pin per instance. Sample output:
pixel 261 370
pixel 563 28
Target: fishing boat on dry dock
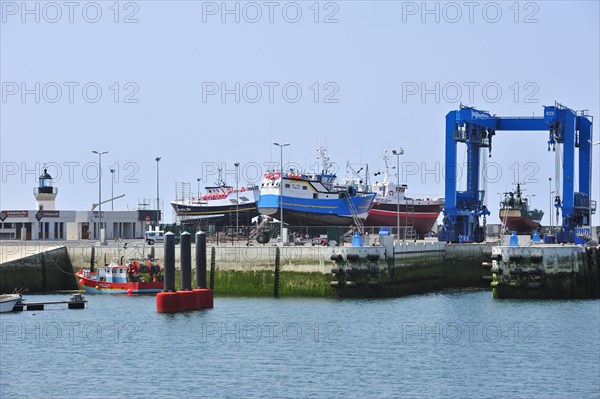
pixel 417 215
pixel 219 205
pixel 117 278
pixel 313 199
pixel 516 215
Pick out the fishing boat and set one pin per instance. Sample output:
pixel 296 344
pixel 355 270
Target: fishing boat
pixel 136 277
pixel 8 302
pixel 313 199
pixel 219 205
pixel 416 214
pixel 516 215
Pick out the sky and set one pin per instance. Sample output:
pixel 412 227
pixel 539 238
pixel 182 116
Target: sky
pixel 208 84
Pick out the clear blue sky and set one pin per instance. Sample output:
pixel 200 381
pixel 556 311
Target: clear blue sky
pixel 369 65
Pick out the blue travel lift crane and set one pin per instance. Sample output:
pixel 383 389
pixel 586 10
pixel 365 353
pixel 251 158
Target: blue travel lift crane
pixel 476 129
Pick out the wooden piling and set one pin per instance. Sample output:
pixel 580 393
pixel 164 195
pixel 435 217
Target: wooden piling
pixel 277 271
pixel 213 255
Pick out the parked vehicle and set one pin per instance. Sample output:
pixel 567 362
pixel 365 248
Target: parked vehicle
pixel 321 240
pixel 153 236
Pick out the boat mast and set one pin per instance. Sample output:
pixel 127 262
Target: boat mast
pixel 325 164
pixel 386 174
pixel 363 184
pixel 220 181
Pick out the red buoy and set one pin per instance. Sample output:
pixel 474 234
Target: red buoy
pixel 204 298
pixel 188 300
pixel 168 302
pixel 129 292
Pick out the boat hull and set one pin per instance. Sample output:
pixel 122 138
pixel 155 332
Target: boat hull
pixel 93 286
pixel 422 218
pixel 213 212
pixel 521 225
pixel 315 212
pixel 8 303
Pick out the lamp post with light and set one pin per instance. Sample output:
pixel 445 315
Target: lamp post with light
pixel 592 144
pixel 397 154
pixel 157 159
pixel 237 198
pixel 281 189
pixel 550 206
pixel 100 153
pixel 112 189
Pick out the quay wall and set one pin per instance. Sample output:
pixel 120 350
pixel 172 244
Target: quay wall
pixel 249 270
pixel 40 270
pixel 410 268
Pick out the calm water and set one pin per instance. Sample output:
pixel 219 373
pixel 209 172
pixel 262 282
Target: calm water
pixel 453 344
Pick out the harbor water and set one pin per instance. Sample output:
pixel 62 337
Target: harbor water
pixel 449 344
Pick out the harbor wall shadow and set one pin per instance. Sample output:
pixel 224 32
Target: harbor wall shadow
pixel 47 270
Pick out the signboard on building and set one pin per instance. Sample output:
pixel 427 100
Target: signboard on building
pixel 13 214
pixel 47 214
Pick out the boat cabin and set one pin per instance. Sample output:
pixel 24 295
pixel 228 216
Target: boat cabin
pixel 109 273
pixel 389 191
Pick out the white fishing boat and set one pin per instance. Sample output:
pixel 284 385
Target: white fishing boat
pixel 221 205
pixel 8 302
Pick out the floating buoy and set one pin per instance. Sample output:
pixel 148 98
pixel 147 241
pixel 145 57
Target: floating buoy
pixel 129 292
pixel 168 302
pixel 188 300
pixel 179 301
pixel 204 298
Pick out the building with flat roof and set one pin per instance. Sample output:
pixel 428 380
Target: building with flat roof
pixel 48 223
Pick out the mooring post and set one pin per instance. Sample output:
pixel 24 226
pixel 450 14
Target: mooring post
pixel 92 259
pixel 277 270
pixel 152 252
pixel 169 262
pixel 185 255
pixel 200 259
pixel 213 254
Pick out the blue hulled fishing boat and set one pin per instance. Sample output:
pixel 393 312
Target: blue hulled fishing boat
pixel 313 199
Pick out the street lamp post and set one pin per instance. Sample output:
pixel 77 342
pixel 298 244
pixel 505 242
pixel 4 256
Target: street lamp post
pixel 157 196
pixel 550 207
pixel 281 189
pixel 198 180
pixel 100 153
pixel 397 154
pixel 592 144
pixel 112 189
pixel 237 198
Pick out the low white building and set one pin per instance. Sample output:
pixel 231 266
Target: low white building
pixel 47 223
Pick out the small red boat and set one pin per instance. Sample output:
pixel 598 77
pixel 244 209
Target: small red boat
pixel 117 278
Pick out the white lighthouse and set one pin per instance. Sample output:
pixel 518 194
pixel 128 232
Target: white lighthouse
pixel 45 194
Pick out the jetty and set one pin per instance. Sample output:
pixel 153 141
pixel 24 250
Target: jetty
pixel 76 301
pixel 528 268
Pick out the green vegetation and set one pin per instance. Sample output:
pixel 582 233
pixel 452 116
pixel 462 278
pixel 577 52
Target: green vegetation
pixel 261 284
